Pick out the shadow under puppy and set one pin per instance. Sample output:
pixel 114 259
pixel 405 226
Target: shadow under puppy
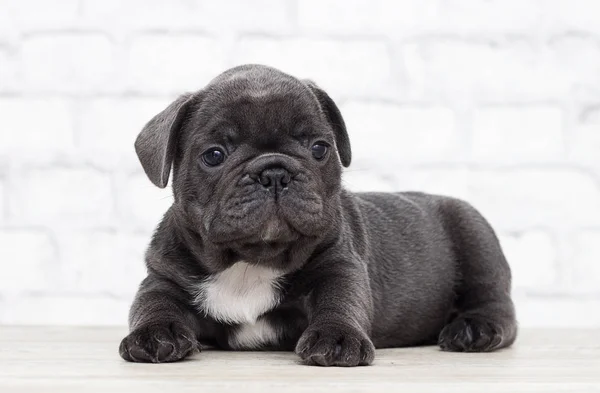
pixel 263 248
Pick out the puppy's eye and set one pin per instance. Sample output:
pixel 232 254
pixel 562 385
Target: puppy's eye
pixel 319 150
pixel 213 157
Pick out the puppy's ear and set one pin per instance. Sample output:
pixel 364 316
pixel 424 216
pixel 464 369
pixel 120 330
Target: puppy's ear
pixel 156 143
pixel 333 115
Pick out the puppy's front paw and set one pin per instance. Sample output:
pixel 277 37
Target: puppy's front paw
pixel 334 345
pixel 471 334
pixel 160 343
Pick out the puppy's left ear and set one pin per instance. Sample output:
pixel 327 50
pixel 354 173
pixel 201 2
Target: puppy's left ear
pixel 333 115
pixel 155 145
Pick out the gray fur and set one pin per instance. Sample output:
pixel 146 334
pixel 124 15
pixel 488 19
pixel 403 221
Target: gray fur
pixel 362 270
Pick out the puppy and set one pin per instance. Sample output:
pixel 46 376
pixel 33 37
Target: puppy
pixel 263 248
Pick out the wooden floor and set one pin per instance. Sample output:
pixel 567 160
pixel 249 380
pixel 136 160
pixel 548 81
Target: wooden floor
pixel 50 359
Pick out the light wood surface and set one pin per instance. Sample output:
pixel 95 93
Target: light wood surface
pixel 60 359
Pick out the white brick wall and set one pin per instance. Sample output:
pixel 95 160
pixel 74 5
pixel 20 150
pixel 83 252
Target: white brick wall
pixel 494 101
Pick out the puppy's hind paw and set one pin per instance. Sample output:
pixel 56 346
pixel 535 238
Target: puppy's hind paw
pixel 471 334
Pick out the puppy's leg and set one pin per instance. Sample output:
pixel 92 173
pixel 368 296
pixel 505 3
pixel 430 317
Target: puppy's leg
pixel 163 326
pixel 291 322
pixel 485 315
pixel 340 312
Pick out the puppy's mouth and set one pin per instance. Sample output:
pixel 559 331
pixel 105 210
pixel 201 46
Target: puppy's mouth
pixel 261 250
pixel 275 233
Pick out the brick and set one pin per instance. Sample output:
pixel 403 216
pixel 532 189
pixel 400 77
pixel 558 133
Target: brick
pixel 396 134
pixel 514 200
pixel 590 115
pixel 518 134
pixel 6 25
pixel 63 197
pixel 495 16
pixel 363 16
pixel 141 204
pixel 584 271
pixel 352 16
pixel 117 15
pixel 256 16
pixel 456 69
pixel 576 15
pixel 576 59
pixel 557 312
pixel 9 74
pixel 173 63
pixel 3 204
pixel 584 147
pixel 111 125
pixel 35 123
pixel 512 16
pixel 37 14
pixel 366 63
pixel 68 62
pixel 57 309
pixel 399 17
pixel 533 260
pixel 29 259
pixel 102 262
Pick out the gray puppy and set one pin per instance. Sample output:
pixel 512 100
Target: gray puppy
pixel 263 249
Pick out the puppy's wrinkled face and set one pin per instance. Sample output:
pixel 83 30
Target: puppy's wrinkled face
pixel 259 167
pixel 256 160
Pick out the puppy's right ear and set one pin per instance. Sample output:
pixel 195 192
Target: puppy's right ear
pixel 155 145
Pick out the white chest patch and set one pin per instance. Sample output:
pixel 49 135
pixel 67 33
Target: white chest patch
pixel 253 335
pixel 239 294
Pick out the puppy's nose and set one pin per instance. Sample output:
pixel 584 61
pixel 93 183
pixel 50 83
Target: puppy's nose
pixel 274 178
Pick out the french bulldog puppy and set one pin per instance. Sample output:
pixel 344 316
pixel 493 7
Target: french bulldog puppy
pixel 264 249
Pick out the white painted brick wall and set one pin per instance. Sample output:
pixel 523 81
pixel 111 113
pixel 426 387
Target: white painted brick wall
pixel 493 101
pixel 67 62
pixel 36 123
pixel 538 130
pixel 159 63
pixel 62 197
pixel 29 259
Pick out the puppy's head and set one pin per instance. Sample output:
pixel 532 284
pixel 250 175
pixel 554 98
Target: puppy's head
pixel 256 158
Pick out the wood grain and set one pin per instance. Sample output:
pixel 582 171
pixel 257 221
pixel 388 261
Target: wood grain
pixel 63 359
